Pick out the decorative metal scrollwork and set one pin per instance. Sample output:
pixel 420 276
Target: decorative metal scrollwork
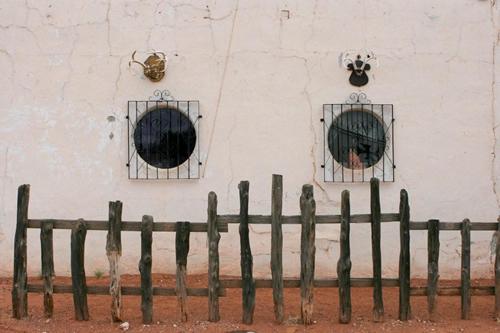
pixel 161 96
pixel 358 98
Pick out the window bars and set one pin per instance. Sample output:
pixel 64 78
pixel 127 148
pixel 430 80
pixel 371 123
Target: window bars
pixel 163 138
pixel 358 141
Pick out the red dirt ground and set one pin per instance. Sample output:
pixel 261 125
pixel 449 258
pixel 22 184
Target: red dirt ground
pixel 167 318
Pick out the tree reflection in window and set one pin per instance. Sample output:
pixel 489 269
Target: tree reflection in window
pixel 356 139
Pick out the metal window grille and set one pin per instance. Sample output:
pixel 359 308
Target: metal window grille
pixel 358 141
pixel 138 167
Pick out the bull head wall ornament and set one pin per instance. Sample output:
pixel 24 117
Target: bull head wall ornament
pixel 154 66
pixel 358 63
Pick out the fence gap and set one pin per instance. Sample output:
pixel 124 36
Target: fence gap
pixel 47 249
pixel 78 234
pixel 145 269
pixel 432 266
pixel 181 253
pixel 497 272
pixel 246 263
pixel 114 252
pixel 344 263
pixel 465 293
pixel 213 259
pixel 404 257
pixel 277 246
pixel 307 253
pixel 378 302
pixel 20 280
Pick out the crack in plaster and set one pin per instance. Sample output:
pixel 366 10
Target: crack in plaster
pixel 221 87
pixel 493 103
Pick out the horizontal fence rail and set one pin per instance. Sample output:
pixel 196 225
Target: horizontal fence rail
pixel 216 287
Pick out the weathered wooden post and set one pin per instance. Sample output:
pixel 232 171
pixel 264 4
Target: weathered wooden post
pixel 114 252
pixel 145 269
pixel 307 253
pixel 432 265
pixel 246 263
pixel 181 254
pixel 497 272
pixel 277 247
pixel 20 279
pixel 47 248
pixel 378 302
pixel 78 234
pixel 404 257
pixel 344 263
pixel 465 291
pixel 213 259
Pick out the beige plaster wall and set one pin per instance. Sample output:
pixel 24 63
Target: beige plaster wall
pixel 261 79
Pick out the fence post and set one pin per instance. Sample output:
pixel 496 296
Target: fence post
pixel 432 265
pixel 47 249
pixel 378 302
pixel 182 231
pixel 344 263
pixel 404 257
pixel 497 272
pixel 78 234
pixel 307 253
pixel 277 247
pixel 114 252
pixel 465 271
pixel 20 279
pixel 213 259
pixel 246 263
pixel 145 269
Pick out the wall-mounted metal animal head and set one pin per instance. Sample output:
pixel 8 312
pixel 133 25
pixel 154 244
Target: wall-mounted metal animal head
pixel 358 63
pixel 154 66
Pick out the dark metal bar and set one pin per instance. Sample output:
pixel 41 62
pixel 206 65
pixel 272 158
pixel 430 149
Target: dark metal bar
pixel 465 270
pixel 319 283
pixel 432 265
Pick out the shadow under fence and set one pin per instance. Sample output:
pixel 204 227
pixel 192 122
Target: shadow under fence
pixel 216 287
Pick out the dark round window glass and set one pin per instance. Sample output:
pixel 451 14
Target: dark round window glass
pixel 164 137
pixel 356 139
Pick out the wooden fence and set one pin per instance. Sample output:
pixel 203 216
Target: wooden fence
pixel 216 287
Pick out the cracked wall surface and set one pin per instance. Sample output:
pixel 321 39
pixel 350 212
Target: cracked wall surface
pixel 262 71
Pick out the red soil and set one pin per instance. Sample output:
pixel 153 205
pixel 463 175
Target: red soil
pixel 167 318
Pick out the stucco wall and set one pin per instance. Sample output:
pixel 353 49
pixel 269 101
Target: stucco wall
pixel 261 79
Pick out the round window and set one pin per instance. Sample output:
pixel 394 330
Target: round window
pixel 356 139
pixel 164 137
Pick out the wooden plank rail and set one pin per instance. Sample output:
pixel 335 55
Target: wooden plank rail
pixel 319 283
pixel 277 246
pixel 246 264
pixel 47 249
pixel 114 252
pixel 126 225
pixel 320 219
pixel 181 254
pixel 20 279
pixel 125 290
pixel 465 270
pixel 145 269
pixel 404 258
pixel 79 284
pixel 432 266
pixel 344 262
pixel 378 302
pixel 307 254
pixel 213 238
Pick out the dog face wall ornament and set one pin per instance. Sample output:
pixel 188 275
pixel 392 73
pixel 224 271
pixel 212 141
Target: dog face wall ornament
pixel 154 66
pixel 358 64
